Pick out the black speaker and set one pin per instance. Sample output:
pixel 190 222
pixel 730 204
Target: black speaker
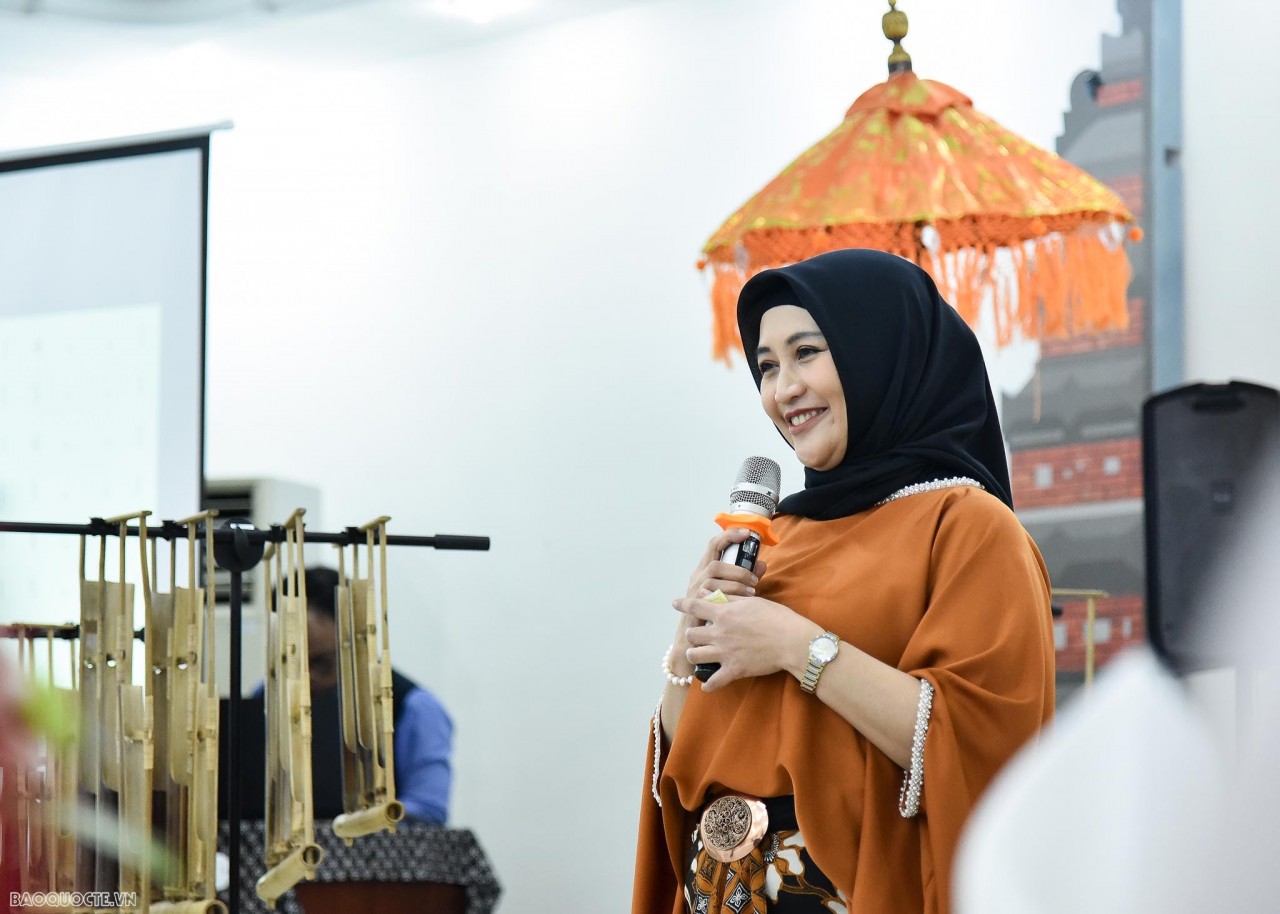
pixel 1209 455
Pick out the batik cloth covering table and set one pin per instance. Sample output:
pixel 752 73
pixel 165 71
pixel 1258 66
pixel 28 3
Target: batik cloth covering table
pixel 415 853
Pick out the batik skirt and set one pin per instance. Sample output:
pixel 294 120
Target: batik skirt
pixel 778 877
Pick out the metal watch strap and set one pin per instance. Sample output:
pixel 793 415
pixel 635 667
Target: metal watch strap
pixel 813 670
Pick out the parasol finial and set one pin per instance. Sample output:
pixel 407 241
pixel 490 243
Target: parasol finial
pixel 894 24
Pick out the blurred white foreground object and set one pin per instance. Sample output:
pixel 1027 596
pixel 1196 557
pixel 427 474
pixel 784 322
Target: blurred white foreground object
pixel 1120 807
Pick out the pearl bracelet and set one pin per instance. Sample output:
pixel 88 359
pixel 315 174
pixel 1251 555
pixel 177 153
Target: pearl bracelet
pixel 666 669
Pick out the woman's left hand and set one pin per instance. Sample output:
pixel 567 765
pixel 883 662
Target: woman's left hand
pixel 748 636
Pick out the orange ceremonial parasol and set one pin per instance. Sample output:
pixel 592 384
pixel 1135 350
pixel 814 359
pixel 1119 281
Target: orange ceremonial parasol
pixel 913 169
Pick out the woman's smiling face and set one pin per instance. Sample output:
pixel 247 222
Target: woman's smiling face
pixel 800 388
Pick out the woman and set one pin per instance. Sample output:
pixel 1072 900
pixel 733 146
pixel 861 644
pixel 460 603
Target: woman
pixel 890 653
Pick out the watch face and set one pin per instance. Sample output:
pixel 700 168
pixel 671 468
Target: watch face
pixel 822 649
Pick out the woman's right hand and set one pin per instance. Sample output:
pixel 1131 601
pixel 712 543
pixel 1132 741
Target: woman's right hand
pixel 710 575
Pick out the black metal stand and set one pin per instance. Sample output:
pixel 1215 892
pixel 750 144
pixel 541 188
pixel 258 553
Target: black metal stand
pixel 236 555
pixel 237 547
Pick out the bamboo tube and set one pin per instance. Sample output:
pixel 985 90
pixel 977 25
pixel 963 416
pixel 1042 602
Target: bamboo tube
pixel 299 865
pixel 388 785
pixel 363 822
pixel 205 819
pixel 135 796
pixel 93 600
pixel 346 692
pixel 30 826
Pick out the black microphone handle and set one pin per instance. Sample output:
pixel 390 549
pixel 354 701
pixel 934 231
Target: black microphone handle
pixel 743 555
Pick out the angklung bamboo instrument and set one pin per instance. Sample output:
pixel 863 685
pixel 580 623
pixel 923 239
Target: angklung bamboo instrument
pixel 364 680
pixel 137 750
pixel 292 853
pixel 115 734
pixel 86 814
pixel 181 661
pixel 45 781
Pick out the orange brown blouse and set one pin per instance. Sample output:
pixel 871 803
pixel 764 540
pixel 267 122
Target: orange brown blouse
pixel 944 585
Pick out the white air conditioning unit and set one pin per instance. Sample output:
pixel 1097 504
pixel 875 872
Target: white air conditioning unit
pixel 264 502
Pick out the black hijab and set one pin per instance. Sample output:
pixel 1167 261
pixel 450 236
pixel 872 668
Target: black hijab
pixel 915 385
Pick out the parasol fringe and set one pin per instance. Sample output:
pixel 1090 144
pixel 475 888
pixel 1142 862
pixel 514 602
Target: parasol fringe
pixel 725 288
pixel 1058 285
pixel 1012 233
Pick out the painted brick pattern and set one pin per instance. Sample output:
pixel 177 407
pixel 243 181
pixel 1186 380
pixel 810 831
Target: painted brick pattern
pixel 1120 622
pixel 1124 92
pixel 1077 473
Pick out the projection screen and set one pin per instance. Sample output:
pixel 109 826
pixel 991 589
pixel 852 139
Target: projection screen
pixel 102 317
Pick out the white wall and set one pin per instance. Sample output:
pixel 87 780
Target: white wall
pixel 1231 149
pixel 459 289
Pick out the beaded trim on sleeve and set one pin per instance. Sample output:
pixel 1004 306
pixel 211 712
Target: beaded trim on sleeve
pixel 657 749
pixel 913 780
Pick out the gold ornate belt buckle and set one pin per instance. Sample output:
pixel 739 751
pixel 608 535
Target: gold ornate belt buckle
pixel 732 826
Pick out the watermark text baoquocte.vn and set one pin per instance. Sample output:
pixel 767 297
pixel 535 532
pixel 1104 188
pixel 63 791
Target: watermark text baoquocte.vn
pixel 76 900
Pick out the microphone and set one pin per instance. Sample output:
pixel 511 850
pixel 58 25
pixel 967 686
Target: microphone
pixel 752 501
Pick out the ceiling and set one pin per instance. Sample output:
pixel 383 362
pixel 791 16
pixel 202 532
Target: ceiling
pixel 477 12
pixel 47 37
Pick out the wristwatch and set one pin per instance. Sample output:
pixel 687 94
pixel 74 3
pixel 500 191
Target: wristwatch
pixel 822 650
